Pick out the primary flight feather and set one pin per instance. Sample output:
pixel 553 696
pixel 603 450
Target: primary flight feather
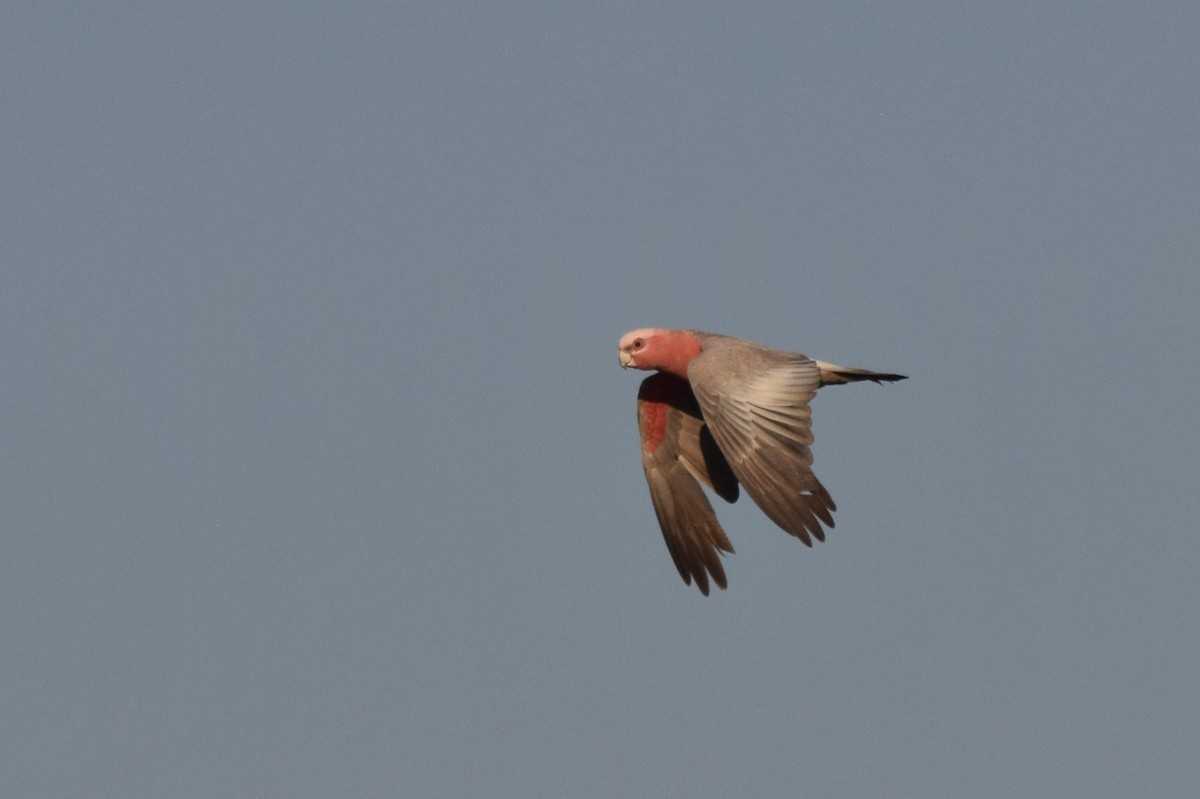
pixel 722 411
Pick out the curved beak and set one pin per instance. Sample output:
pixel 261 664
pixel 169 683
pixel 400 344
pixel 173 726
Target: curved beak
pixel 625 359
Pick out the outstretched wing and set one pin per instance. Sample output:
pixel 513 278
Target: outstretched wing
pixel 756 405
pixel 678 453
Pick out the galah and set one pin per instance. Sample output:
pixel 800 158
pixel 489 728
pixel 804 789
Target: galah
pixel 722 411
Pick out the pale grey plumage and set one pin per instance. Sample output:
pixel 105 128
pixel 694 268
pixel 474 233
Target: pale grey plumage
pixel 756 404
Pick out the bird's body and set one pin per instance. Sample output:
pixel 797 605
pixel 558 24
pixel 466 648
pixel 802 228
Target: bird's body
pixel 722 411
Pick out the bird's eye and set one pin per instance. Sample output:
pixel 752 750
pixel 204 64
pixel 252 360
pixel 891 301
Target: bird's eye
pixel 638 343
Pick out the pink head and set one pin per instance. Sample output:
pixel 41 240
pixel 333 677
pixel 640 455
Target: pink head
pixel 658 348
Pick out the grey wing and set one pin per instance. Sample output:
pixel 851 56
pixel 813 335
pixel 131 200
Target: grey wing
pixel 756 405
pixel 678 454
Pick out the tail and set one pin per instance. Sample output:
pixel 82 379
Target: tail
pixel 833 375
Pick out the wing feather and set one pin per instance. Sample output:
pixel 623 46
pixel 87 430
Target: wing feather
pixel 756 405
pixel 678 454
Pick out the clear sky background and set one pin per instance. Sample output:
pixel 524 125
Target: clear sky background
pixel 320 477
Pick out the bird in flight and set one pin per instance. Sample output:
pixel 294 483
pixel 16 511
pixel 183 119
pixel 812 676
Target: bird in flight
pixel 722 411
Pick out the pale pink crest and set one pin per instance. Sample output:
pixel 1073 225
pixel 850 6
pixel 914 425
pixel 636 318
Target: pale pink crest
pixel 658 348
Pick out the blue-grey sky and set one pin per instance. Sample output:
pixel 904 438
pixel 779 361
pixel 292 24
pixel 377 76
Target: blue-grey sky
pixel 320 477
